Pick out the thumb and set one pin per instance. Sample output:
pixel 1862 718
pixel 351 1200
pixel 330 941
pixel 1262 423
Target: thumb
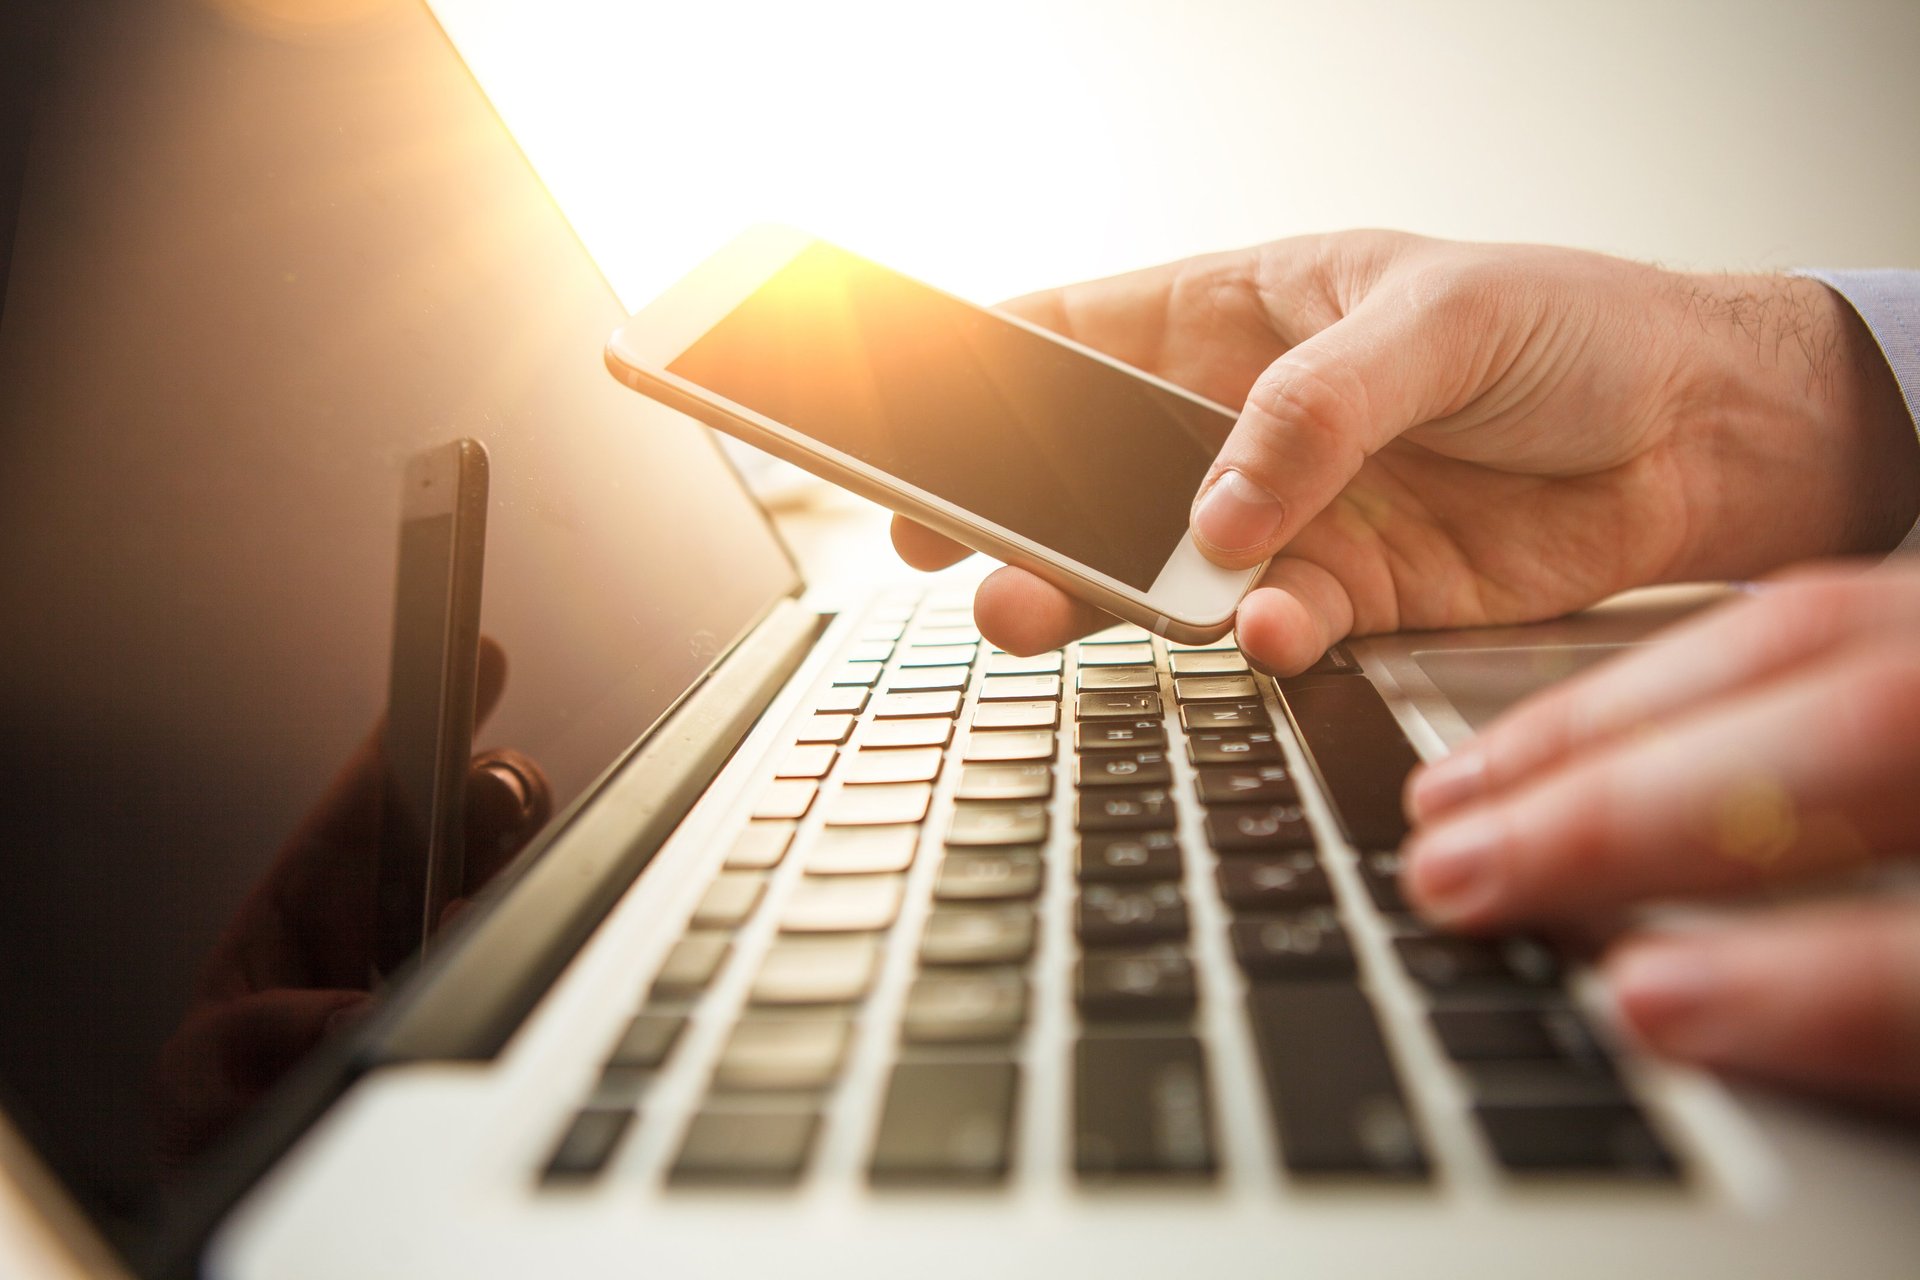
pixel 1314 417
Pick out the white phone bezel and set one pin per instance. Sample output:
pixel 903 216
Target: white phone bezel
pixel 1192 600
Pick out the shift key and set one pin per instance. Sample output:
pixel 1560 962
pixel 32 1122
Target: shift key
pixel 946 1122
pixel 1332 1087
pixel 1140 1107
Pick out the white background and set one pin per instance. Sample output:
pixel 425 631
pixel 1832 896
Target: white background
pixel 994 148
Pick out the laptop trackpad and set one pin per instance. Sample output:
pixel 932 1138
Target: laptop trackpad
pixel 1481 683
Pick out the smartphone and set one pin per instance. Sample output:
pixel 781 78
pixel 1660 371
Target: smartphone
pixel 431 683
pixel 1001 435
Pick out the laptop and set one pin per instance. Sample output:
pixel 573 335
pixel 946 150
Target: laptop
pixel 818 936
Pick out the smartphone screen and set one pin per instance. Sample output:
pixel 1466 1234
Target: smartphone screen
pixel 1074 454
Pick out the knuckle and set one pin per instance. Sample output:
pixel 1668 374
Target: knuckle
pixel 1323 401
pixel 1881 696
pixel 1814 609
pixel 1563 845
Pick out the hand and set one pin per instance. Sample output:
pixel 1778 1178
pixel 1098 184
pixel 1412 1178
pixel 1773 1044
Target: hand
pixel 1443 435
pixel 294 964
pixel 1774 742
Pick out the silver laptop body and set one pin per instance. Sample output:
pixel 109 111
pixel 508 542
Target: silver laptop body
pixel 852 946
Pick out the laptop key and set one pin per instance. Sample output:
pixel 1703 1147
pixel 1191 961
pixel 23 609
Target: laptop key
pixel 1015 688
pixel 729 900
pixel 1246 784
pixel 690 966
pixel 1119 735
pixel 806 762
pixel 893 764
pixel 1007 744
pixel 1299 944
pixel 1118 915
pixel 1115 655
pixel 987 1006
pixel 1125 809
pixel 906 733
pixel 1129 856
pixel 590 1140
pixel 646 1042
pixel 913 679
pixel 842 904
pixel 1198 717
pixel 1231 746
pixel 979 822
pixel 1215 689
pixel 1153 983
pixel 1038 664
pixel 1226 662
pixel 1124 768
pixel 1119 633
pixel 861 851
pixel 977 935
pixel 1224 644
pixel 1335 1098
pixel 1337 661
pixel 786 798
pixel 869 651
pixel 1236 828
pixel 1472 1034
pixel 810 971
pixel 1274 882
pixel 988 875
pixel 1359 751
pixel 1116 705
pixel 1446 964
pixel 882 804
pixel 841 697
pixel 1005 782
pixel 760 846
pixel 783 1052
pixel 946 1122
pixel 941 655
pixel 856 674
pixel 1016 715
pixel 745 1146
pixel 829 729
pixel 1140 1106
pixel 1594 1139
pixel 953 633
pixel 1546 1082
pixel 1097 678
pixel 908 706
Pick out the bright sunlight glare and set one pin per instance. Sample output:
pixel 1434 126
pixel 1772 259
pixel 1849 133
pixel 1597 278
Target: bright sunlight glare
pixel 888 127
pixel 1005 145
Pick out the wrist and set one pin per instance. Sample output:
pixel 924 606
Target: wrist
pixel 1796 426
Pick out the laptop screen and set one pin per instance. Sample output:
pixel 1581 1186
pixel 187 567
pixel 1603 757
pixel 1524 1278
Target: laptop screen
pixel 308 450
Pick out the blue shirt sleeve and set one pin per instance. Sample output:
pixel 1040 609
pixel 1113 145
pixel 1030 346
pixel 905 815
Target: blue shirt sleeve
pixel 1889 303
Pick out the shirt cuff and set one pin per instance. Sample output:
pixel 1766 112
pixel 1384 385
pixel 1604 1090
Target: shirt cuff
pixel 1888 302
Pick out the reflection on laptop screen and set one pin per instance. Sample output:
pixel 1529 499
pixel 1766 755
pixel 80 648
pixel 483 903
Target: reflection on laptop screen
pixel 262 278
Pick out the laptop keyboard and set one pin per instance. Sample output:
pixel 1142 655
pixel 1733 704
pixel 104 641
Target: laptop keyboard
pixel 921 743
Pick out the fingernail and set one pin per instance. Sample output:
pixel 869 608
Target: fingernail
pixel 1662 990
pixel 1447 782
pixel 1453 870
pixel 1235 514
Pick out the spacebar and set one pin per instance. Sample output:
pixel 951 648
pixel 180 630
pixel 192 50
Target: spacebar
pixel 1335 1098
pixel 1359 751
